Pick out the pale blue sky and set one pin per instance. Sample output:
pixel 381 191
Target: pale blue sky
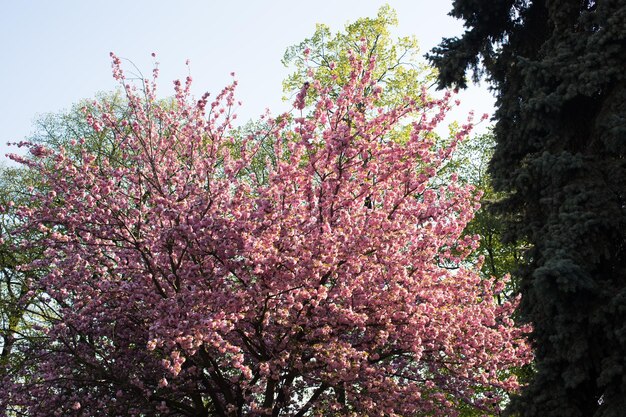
pixel 55 53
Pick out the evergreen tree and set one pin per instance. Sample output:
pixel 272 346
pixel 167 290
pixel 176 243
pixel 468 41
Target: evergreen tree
pixel 557 68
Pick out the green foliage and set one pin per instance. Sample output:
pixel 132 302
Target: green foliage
pixel 13 285
pixel 56 130
pixel 501 256
pixel 402 76
pixel 400 70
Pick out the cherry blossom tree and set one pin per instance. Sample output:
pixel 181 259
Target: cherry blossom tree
pixel 337 285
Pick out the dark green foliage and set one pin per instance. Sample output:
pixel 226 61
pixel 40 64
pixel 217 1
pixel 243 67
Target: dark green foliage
pixel 559 71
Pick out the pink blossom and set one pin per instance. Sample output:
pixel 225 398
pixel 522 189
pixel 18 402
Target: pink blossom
pixel 332 271
pixel 301 97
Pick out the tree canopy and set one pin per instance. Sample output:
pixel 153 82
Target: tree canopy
pixel 336 286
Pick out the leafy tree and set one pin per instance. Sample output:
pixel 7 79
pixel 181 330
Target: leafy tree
pixel 59 130
pixel 185 288
pixel 558 70
pixel 399 68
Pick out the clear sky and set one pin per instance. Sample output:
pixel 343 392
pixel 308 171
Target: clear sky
pixel 55 53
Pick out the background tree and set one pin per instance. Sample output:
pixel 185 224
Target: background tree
pixel 399 69
pixel 185 289
pixel 558 70
pixel 57 130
